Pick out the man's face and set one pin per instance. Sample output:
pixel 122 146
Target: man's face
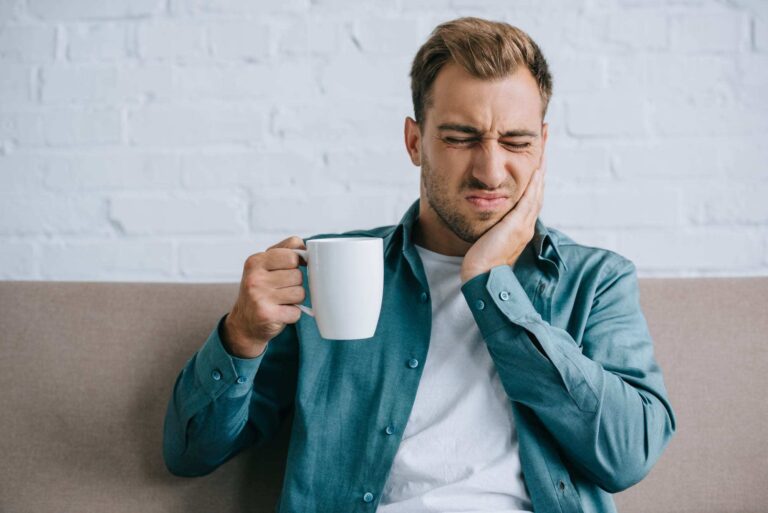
pixel 480 138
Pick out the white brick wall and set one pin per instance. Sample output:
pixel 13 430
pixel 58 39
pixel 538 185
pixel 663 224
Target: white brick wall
pixel 168 139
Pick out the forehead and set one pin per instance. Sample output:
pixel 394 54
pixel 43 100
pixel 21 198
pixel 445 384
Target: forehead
pixel 500 104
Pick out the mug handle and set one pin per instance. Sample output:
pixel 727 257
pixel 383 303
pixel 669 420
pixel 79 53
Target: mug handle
pixel 305 255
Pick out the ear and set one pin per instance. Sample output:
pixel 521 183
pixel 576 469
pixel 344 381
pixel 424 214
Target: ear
pixel 413 140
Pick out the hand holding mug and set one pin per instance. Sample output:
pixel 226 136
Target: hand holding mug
pixel 270 289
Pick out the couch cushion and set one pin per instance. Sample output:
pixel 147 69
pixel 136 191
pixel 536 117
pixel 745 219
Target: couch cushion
pixel 86 370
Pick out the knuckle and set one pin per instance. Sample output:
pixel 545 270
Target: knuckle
pixel 253 260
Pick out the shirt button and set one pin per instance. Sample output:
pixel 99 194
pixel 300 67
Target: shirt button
pixel 368 497
pixel 423 298
pixel 413 363
pixel 504 295
pixel 480 304
pixel 241 380
pixel 216 374
pixel 562 485
pixel 389 430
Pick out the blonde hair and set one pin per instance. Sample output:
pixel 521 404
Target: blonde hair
pixel 485 49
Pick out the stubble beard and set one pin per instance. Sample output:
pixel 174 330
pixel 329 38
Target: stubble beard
pixel 448 211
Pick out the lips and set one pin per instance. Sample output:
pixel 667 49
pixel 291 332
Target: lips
pixel 487 201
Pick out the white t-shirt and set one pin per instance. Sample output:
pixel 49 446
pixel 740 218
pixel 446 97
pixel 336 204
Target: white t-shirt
pixel 459 449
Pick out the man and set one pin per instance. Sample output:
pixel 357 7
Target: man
pixel 512 368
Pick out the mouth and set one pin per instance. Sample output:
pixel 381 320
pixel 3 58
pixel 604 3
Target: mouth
pixel 487 202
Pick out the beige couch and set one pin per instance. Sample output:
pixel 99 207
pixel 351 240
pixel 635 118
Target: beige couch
pixel 86 370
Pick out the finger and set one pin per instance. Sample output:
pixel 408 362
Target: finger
pixel 294 241
pixel 286 314
pixel 288 295
pixel 281 258
pixel 282 278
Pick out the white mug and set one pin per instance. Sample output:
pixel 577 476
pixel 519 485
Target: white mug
pixel 346 285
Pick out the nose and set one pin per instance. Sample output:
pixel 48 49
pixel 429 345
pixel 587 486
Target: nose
pixel 489 164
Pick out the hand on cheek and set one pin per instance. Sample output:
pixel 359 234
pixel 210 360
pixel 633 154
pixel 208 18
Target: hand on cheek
pixel 504 243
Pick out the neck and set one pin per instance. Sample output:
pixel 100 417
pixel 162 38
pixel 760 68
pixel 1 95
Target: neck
pixel 431 233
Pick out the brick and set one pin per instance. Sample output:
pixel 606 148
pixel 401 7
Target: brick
pixel 666 159
pixel 639 28
pixel 93 9
pixel 113 170
pixel 18 260
pixel 238 7
pixel 10 9
pixel 729 204
pixel 635 205
pixel 257 171
pixel 685 73
pixel 575 164
pixel 360 76
pixel 27 43
pixel 284 80
pixel 555 117
pixel 400 36
pixel 71 127
pixel 339 123
pixel 193 126
pixel 607 115
pixel 305 215
pixel 575 73
pixel 302 37
pixel 146 83
pixel 240 40
pixel 65 84
pixel 744 158
pixel 380 169
pixel 627 73
pixel 707 114
pixel 21 173
pixel 172 40
pixel 15 84
pixel 725 31
pixel 222 260
pixel 109 260
pixel 760 33
pixel 107 85
pixel 163 215
pixel 52 214
pixel 361 7
pixel 97 42
pixel 61 127
pixel 754 72
pixel 704 248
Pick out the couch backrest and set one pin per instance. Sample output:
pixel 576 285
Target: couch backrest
pixel 86 370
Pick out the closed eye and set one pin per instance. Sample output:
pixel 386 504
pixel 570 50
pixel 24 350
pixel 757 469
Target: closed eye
pixel 520 146
pixel 454 140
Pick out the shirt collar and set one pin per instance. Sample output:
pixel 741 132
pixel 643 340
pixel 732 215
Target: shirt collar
pixel 542 239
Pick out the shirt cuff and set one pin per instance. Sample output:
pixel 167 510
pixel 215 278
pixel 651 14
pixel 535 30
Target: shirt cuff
pixel 497 298
pixel 217 370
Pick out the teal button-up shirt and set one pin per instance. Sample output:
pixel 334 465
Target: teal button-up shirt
pixel 566 333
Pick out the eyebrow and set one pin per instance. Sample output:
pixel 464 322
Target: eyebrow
pixel 468 129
